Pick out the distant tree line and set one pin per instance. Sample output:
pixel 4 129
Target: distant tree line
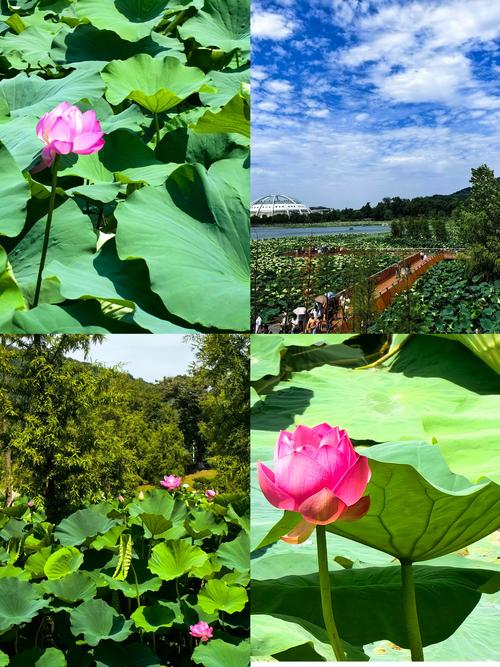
pixel 388 209
pixel 72 432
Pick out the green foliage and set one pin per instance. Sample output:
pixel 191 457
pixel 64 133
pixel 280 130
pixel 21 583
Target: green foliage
pixel 443 300
pixel 165 202
pixel 479 224
pixel 88 617
pixel 223 366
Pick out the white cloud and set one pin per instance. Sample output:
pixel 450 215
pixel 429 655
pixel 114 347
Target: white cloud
pixel 323 165
pixel 318 113
pixel 271 25
pixel 279 86
pixel 419 51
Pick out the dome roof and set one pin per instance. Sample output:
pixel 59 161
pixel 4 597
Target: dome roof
pixel 276 204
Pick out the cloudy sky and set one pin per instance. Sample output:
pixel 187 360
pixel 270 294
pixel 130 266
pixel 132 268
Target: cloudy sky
pixel 148 357
pixel 355 100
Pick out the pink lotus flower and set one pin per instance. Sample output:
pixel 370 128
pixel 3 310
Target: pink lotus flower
pixel 120 498
pixel 31 504
pixel 201 630
pixel 171 482
pixel 210 494
pixel 317 473
pixel 66 129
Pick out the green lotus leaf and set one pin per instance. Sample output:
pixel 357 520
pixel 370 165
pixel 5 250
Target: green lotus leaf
pixel 81 525
pixel 31 95
pixel 216 595
pixel 108 654
pixel 144 79
pixel 201 224
pixel 13 529
pixel 35 564
pixel 15 195
pixel 139 580
pixel 228 83
pixel 209 568
pixel 11 296
pixel 221 23
pixel 233 117
pixel 37 657
pixel 130 19
pixel 267 351
pixel 30 49
pixel 19 603
pixel 202 524
pixel 157 501
pixel 85 317
pixel 88 44
pixel 109 539
pixel 71 235
pixel 153 617
pixel 217 652
pixel 172 559
pixel 18 136
pixel 442 512
pixel 62 562
pixel 96 621
pixel 13 571
pixel 431 379
pixel 235 554
pixel 275 634
pixel 4 659
pixel 72 587
pixel 445 597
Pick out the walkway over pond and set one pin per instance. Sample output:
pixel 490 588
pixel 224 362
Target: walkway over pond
pixel 387 283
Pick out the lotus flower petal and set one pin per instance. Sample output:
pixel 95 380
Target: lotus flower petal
pixel 300 476
pixel 300 533
pixel 322 429
pixel 353 484
pixel 273 494
pixel 356 511
pixel 322 508
pixel 305 436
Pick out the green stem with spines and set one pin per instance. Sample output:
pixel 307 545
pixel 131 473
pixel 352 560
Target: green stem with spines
pixel 326 595
pixel 46 237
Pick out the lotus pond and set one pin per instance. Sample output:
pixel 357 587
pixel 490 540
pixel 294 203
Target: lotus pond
pixel 126 583
pixel 424 410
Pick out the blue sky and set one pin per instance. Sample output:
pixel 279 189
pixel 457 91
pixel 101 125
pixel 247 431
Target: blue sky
pixel 355 100
pixel 148 357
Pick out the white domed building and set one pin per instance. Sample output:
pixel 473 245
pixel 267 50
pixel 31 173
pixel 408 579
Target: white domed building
pixel 270 205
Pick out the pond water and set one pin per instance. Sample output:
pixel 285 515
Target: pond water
pixel 262 232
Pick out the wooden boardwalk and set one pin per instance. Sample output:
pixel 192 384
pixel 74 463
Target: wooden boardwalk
pixel 390 281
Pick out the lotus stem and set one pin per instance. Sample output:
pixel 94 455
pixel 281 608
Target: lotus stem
pixel 157 126
pixel 411 612
pixel 47 232
pixel 326 595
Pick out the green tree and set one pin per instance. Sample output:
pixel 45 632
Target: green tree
pixel 222 365
pixel 184 392
pixel 479 224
